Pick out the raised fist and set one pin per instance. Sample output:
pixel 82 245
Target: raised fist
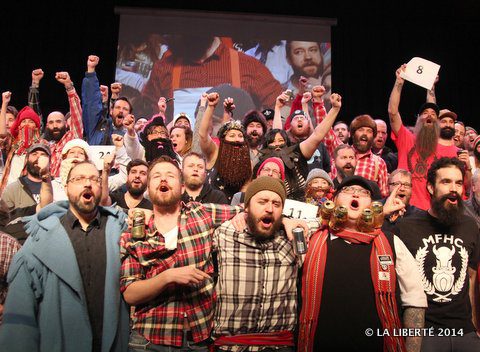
pixel 129 122
pixel 203 99
pixel 213 99
pixel 104 93
pixel 117 140
pixel 116 88
pixel 6 96
pixel 92 61
pixel 336 100
pixel 318 92
pixel 37 75
pixel 307 96
pixel 63 77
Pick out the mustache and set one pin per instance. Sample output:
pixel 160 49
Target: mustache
pixel 451 196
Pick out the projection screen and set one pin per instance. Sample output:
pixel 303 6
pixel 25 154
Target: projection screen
pixel 249 57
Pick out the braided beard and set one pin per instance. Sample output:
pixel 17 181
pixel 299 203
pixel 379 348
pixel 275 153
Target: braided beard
pixel 233 163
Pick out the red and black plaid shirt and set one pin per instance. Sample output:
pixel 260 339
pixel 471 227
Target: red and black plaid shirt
pixel 369 165
pixel 161 321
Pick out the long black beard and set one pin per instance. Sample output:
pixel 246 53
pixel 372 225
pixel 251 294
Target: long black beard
pixel 447 214
pixel 49 136
pixel 157 148
pixel 233 164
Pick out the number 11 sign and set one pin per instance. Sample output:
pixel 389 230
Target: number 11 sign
pixel 421 72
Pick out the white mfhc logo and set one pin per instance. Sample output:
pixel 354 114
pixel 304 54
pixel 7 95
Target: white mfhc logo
pixel 443 284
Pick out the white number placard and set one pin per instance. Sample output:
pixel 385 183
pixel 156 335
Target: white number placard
pixel 421 72
pixel 98 152
pixel 299 210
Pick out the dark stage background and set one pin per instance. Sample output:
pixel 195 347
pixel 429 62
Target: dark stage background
pixel 371 40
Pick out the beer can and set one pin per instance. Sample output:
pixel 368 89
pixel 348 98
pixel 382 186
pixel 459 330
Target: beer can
pixel 299 244
pixel 338 218
pixel 365 221
pixel 378 217
pixel 326 211
pixel 138 226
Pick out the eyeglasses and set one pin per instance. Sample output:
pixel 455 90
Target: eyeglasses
pixel 268 170
pixel 404 184
pixel 83 179
pixel 160 133
pixel 352 190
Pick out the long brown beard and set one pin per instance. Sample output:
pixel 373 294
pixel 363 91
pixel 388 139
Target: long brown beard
pixel 426 138
pixel 233 163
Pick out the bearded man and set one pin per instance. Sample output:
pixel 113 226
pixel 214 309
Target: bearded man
pixel 445 243
pixel 179 279
pixel 229 164
pixel 255 126
pixel 345 163
pixel 58 129
pixel 262 251
pixel 418 150
pixel 72 252
pixel 136 186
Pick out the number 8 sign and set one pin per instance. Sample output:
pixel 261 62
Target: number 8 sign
pixel 421 72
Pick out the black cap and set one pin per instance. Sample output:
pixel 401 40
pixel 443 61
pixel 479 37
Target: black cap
pixel 268 113
pixel 426 106
pixel 40 146
pixel 362 182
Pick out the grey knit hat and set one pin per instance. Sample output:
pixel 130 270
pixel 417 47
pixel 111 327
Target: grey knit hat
pixel 319 173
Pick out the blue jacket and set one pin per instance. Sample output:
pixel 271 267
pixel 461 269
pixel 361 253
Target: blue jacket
pixel 46 308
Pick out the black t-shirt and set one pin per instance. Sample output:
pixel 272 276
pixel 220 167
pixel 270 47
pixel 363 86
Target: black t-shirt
pixel 34 187
pixel 443 255
pixel 118 198
pixel 348 305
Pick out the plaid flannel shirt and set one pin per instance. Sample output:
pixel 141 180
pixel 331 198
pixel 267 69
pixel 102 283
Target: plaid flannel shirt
pixel 368 164
pixel 74 124
pixel 161 321
pixel 8 247
pixel 257 285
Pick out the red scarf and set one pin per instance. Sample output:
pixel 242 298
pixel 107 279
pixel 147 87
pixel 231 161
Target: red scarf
pixel 383 279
